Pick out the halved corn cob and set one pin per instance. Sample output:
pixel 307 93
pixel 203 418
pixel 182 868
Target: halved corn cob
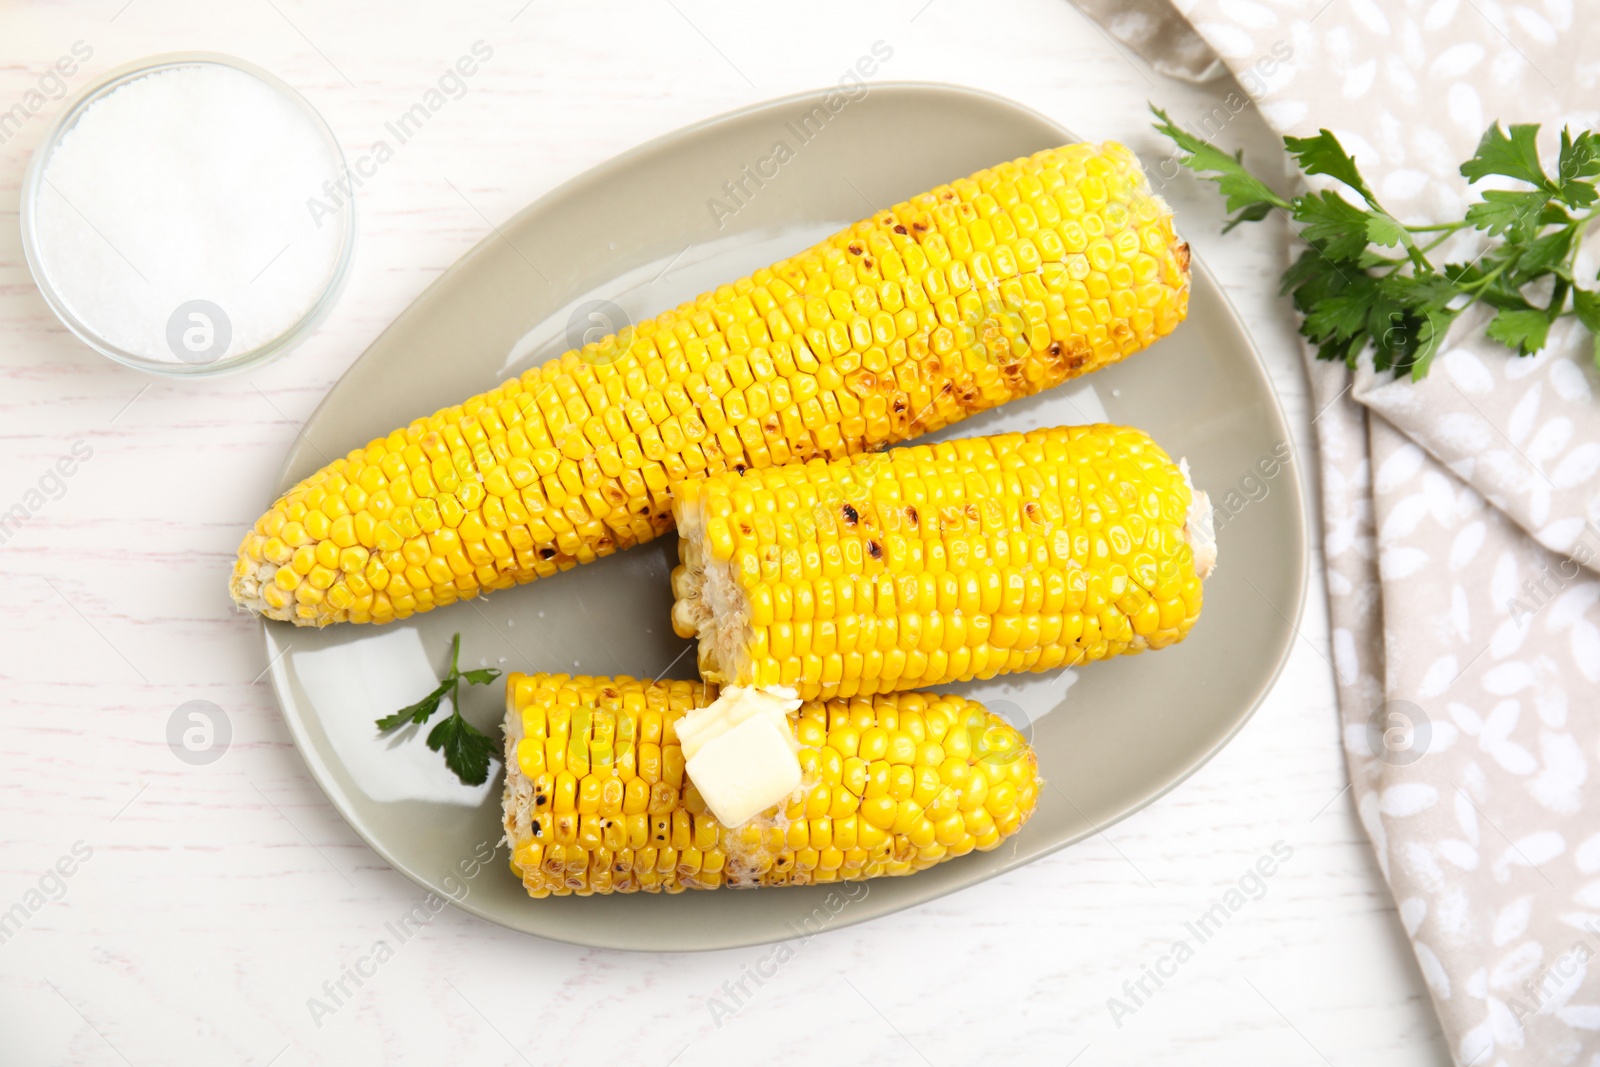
pixel 993 287
pixel 938 563
pixel 596 800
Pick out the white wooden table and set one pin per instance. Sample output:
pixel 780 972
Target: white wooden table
pixel 217 900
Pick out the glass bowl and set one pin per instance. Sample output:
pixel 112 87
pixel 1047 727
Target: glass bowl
pixel 63 124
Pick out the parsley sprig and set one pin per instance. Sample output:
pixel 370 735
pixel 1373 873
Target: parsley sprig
pixel 1366 282
pixel 467 749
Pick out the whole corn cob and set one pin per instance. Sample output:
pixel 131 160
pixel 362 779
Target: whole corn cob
pixel 993 287
pixel 938 563
pixel 596 800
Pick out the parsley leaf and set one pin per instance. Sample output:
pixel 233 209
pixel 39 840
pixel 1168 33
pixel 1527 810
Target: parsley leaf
pixel 1504 211
pixel 467 749
pixel 1431 331
pixel 1354 299
pixel 1516 157
pixel 1524 330
pixel 418 713
pixel 1247 195
pixel 1334 226
pixel 1384 230
pixel 1339 316
pixel 1586 306
pixel 1580 157
pixel 1543 255
pixel 1323 154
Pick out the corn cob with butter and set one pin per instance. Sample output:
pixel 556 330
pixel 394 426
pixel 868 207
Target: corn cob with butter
pixel 990 288
pixel 596 799
pixel 930 564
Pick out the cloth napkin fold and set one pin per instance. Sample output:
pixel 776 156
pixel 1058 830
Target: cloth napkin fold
pixel 1155 30
pixel 1461 520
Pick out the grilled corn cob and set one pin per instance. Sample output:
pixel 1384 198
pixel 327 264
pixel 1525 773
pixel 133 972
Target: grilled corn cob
pixel 993 287
pixel 596 800
pixel 939 563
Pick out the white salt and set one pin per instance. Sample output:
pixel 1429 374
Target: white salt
pixel 172 217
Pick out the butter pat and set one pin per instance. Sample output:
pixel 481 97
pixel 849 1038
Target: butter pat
pixel 741 753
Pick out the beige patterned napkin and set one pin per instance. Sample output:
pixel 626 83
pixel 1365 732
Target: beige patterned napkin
pixel 1461 524
pixel 1155 30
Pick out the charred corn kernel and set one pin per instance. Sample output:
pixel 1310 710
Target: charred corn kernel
pixel 946 563
pixel 961 298
pixel 591 830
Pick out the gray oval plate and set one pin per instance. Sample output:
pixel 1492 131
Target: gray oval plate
pixel 635 236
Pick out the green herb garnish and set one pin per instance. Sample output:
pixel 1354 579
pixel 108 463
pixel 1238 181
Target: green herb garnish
pixel 467 749
pixel 1355 295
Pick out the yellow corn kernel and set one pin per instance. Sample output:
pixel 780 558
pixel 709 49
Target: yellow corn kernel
pixel 880 811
